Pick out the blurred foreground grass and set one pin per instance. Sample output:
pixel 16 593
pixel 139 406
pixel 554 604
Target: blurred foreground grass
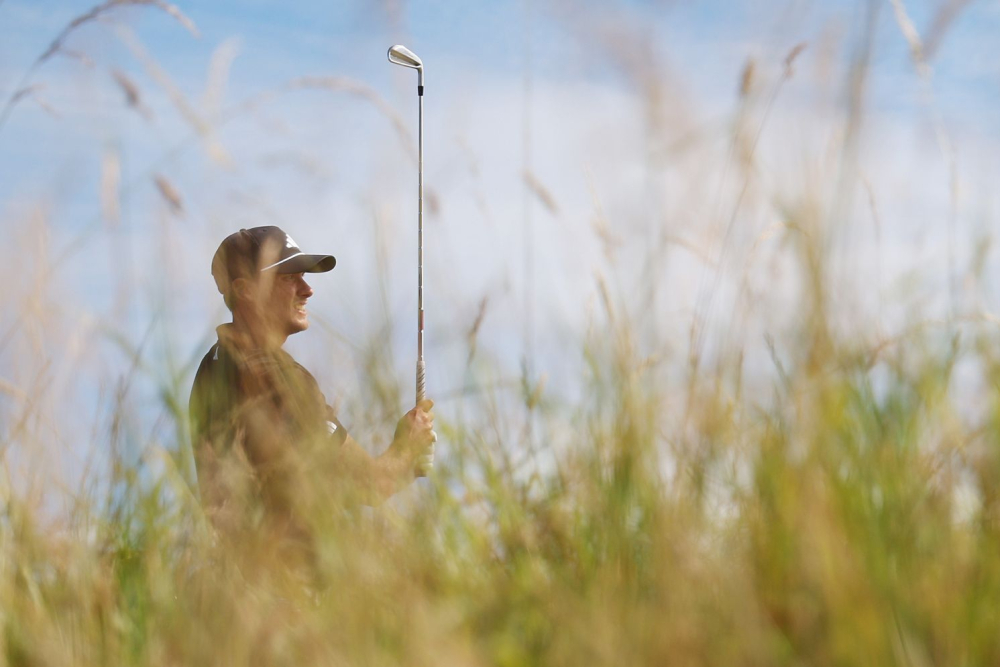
pixel 829 528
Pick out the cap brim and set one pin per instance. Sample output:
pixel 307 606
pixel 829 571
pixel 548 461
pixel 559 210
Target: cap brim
pixel 307 264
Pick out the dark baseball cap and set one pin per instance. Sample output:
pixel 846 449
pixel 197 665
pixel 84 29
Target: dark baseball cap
pixel 249 252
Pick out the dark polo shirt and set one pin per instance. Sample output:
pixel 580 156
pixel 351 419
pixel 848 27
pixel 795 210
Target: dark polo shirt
pixel 261 410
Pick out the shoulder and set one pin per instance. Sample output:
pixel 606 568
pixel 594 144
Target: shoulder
pixel 216 367
pixel 207 361
pixel 215 359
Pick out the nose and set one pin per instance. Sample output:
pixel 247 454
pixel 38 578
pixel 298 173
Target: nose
pixel 304 291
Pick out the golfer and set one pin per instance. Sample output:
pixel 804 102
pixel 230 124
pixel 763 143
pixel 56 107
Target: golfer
pixel 266 443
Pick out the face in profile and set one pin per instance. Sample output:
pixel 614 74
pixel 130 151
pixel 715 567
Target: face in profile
pixel 286 305
pixel 278 301
pixel 282 302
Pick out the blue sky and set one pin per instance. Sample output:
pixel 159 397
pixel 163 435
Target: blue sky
pixel 331 169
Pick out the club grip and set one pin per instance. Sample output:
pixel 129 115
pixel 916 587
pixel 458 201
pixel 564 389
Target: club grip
pixel 421 380
pixel 426 462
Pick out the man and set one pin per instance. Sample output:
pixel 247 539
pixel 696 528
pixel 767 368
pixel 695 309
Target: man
pixel 269 451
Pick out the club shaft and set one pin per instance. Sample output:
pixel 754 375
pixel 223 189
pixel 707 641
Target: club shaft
pixel 421 388
pixel 426 462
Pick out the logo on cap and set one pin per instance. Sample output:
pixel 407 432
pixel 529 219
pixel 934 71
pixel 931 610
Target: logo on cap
pixel 289 243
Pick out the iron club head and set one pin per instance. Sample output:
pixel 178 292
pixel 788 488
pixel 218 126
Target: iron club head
pixel 400 55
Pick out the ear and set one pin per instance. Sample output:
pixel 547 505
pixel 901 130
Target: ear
pixel 243 289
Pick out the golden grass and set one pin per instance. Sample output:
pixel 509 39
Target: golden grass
pixel 849 517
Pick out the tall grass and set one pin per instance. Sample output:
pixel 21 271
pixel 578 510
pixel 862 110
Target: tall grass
pixel 845 510
pixel 828 529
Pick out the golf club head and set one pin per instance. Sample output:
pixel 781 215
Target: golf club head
pixel 400 55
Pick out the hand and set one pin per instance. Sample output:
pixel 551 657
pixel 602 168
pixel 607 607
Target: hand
pixel 415 431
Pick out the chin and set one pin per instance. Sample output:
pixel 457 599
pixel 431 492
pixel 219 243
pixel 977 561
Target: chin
pixel 296 325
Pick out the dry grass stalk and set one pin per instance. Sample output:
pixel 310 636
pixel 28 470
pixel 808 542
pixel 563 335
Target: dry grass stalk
pixel 170 194
pixel 912 37
pixel 945 145
pixel 79 56
pixel 747 77
pixel 111 176
pixel 948 11
pixel 132 97
pixel 537 188
pixel 98 12
pixel 748 152
pixel 358 89
pixel 218 74
pixel 792 56
pixel 215 149
pixel 473 334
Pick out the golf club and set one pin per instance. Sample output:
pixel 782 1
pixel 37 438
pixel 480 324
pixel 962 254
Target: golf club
pixel 400 55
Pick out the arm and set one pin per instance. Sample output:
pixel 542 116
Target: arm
pixel 380 477
pixel 357 476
